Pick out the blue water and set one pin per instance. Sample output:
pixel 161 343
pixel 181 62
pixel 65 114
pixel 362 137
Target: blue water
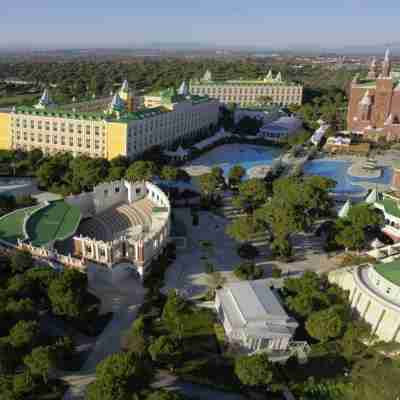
pixel 337 170
pixel 248 156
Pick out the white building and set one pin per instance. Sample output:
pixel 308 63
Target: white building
pixel 253 316
pixel 281 129
pixel 319 134
pixel 264 114
pixel 389 204
pixel 374 291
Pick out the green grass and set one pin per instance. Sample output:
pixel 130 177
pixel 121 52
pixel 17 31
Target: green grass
pixel 11 225
pixel 391 206
pixel 55 222
pixel 390 271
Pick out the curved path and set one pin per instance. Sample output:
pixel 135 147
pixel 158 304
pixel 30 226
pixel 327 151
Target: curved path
pixel 124 301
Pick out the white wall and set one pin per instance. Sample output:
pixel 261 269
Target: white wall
pixel 110 194
pixel 85 203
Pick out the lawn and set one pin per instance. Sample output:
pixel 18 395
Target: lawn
pixel 11 225
pixel 58 221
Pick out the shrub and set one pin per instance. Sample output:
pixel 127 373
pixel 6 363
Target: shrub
pixel 247 251
pixel 248 271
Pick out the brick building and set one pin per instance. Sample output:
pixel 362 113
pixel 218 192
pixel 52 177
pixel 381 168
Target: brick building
pixel 374 105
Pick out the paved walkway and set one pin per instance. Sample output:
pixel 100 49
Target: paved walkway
pixel 124 302
pixel 187 273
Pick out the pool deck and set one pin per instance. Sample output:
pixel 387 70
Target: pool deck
pixel 385 160
pixel 358 170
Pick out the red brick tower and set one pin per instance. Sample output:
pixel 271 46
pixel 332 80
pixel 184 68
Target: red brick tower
pixel 396 177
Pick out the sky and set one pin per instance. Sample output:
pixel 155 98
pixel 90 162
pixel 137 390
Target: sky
pixel 259 23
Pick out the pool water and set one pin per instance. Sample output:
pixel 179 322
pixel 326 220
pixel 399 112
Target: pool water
pixel 337 170
pixel 248 156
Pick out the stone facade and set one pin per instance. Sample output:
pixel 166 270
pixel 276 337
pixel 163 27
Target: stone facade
pixel 374 104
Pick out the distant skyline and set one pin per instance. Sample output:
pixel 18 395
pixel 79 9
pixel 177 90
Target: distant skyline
pixel 256 23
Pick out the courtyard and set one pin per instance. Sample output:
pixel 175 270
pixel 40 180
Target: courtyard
pixel 207 243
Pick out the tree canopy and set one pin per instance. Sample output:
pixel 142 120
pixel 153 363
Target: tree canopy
pixel 118 377
pixel 254 370
pixel 141 171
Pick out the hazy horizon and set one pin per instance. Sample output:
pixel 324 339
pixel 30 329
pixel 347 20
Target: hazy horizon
pixel 255 24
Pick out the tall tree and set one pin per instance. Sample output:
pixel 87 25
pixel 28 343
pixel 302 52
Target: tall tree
pixel 326 324
pixel 41 362
pixel 255 370
pixel 67 293
pixel 141 171
pixel 236 173
pixel 118 377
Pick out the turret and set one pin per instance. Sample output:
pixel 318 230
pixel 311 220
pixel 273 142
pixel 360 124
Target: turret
pixel 128 96
pixel 183 89
pixel 117 105
pixel 386 65
pixel 373 69
pixel 364 107
pixel 45 101
pixel 207 76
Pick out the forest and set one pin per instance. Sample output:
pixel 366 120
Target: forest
pixel 83 78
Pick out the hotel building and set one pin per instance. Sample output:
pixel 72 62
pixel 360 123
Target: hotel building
pixel 120 130
pixel 374 105
pixel 249 92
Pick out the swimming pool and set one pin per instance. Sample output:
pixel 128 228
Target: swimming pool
pixel 228 155
pixel 337 170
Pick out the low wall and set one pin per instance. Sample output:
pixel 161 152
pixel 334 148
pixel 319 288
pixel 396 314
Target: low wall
pixel 52 255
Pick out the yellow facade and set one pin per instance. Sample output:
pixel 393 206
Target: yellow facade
pixel 131 101
pixel 116 139
pixel 5 131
